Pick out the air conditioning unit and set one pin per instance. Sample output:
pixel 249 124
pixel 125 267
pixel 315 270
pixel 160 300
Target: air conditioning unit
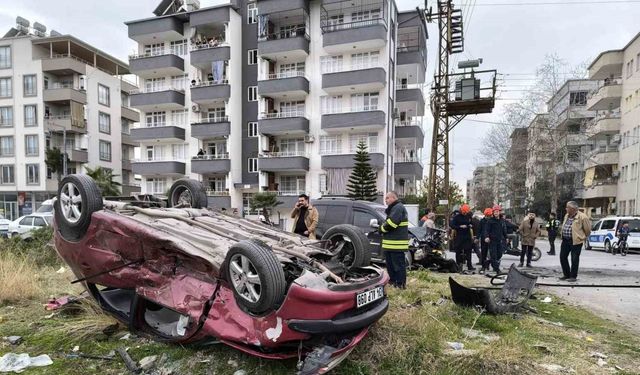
pixel 195 108
pixel 309 139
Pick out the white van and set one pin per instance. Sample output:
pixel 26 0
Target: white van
pixel 603 232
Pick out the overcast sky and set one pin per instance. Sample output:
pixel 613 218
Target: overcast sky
pixel 511 38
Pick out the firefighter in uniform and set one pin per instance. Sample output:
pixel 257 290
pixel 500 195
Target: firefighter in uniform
pixel 395 239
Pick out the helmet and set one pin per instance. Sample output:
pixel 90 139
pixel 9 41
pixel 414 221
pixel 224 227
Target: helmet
pixel 465 209
pixel 497 208
pixel 488 212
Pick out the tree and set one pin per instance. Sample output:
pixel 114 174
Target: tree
pixel 264 201
pixel 483 198
pixel 455 195
pixel 103 177
pixel 54 161
pixel 362 182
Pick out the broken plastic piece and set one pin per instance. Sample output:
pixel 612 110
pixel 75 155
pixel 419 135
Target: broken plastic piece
pixel 18 362
pixel 13 340
pixel 316 360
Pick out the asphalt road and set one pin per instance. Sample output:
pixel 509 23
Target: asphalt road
pixel 596 267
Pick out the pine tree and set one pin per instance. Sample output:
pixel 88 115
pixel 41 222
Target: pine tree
pixel 362 182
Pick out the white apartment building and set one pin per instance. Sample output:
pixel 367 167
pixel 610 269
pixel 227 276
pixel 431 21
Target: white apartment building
pixel 277 94
pixel 51 85
pixel 617 101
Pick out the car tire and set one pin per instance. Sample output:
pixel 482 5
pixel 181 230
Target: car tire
pixel 360 246
pixel 250 260
pixel 607 246
pixel 73 216
pixel 197 195
pixel 536 254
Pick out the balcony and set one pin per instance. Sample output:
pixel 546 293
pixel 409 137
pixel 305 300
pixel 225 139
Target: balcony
pixel 211 127
pixel 209 16
pixel 575 139
pixel 159 167
pixel 130 114
pixel 607 97
pixel 574 166
pixel 408 166
pixel 78 156
pixel 601 189
pixel 347 161
pixel 148 100
pixel 279 6
pixel 410 130
pixel 218 199
pixel 365 77
pixel 126 139
pixel 64 65
pixel 365 118
pixel 158 133
pixel 126 164
pixel 607 64
pixel 602 156
pixel 210 92
pixel 284 33
pixel 210 164
pixel 202 55
pixel 365 34
pixel 156 64
pixel 283 123
pixel 411 96
pixel 284 84
pixel 68 123
pixel 149 31
pixel 288 198
pixel 604 126
pixel 286 161
pixel 64 93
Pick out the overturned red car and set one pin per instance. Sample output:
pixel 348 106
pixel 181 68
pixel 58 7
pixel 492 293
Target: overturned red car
pixel 177 272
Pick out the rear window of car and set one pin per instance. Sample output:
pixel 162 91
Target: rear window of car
pixel 39 222
pixel 49 219
pixel 608 224
pixel 634 226
pixel 27 221
pixel 334 214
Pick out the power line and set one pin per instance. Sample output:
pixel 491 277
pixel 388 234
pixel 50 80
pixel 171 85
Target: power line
pixel 582 2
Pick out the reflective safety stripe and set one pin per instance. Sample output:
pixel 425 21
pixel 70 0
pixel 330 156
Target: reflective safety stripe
pixel 382 229
pixel 393 225
pixel 395 247
pixel 395 242
pixel 404 224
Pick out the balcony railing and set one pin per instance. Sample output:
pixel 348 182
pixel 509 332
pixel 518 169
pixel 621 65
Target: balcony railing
pixel 364 108
pixel 286 193
pixel 210 83
pixel 210 44
pixel 64 56
pixel 211 157
pixel 339 68
pixel 290 74
pixel 162 52
pixel 211 119
pixel 286 34
pixel 160 125
pixel 63 85
pixel 328 27
pixel 284 154
pixel 413 122
pixel 148 90
pixel 605 83
pixel 285 114
pixel 159 158
pixel 408 158
pixel 217 193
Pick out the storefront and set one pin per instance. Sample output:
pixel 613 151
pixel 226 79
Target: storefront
pixel 15 205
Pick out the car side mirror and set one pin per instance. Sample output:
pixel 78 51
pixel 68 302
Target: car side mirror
pixel 373 223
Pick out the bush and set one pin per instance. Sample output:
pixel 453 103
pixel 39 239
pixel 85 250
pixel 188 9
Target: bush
pixel 38 248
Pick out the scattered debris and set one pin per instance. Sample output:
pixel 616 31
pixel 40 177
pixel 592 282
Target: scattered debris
pixel 546 300
pixel 557 368
pixel 61 270
pixel 13 340
pixel 542 348
pixel 126 336
pixel 50 315
pixel 461 353
pixel 58 303
pixel 147 363
pixel 110 356
pixel 598 355
pixel 455 345
pixel 240 372
pixel 76 349
pixel 232 363
pixel 440 301
pixel 619 368
pixel 601 362
pixel 128 361
pixel 589 339
pixel 19 362
pixel 472 333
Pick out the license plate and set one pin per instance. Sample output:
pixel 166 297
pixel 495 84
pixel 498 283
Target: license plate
pixel 369 296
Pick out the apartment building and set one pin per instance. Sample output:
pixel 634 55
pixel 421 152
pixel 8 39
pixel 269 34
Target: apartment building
pixel 540 151
pixel 617 102
pixel 52 88
pixel 517 164
pixel 569 116
pixel 482 185
pixel 275 95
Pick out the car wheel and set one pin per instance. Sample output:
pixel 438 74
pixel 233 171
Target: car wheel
pixel 78 198
pixel 187 193
pixel 256 277
pixel 607 246
pixel 356 249
pixel 536 254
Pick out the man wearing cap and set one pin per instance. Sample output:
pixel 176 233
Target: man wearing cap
pixel 461 223
pixel 395 240
pixel 495 235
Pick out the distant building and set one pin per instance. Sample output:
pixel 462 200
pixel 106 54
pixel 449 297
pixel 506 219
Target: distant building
pixel 517 166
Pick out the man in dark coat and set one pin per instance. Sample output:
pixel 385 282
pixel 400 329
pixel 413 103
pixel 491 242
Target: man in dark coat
pixel 461 223
pixel 395 240
pixel 484 247
pixel 495 236
pixel 552 232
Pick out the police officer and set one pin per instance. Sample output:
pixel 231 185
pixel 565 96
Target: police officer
pixel 552 230
pixel 395 239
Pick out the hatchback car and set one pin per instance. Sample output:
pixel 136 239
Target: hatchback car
pixel 4 226
pixel 25 224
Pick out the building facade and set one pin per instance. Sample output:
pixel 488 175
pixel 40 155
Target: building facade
pixel 540 153
pixel 275 95
pixel 56 89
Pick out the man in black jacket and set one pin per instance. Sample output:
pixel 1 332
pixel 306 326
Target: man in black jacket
pixel 395 240
pixel 552 231
pixel 495 235
pixel 461 223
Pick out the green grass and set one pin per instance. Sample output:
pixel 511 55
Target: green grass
pixel 410 339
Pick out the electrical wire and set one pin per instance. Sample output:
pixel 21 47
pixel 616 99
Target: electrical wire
pixel 582 2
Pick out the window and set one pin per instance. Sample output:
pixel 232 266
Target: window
pixel 253 165
pixel 6 90
pixel 29 85
pixel 155 119
pixel 323 183
pixel 6 116
pixel 370 139
pixel 632 207
pixel 292 146
pixel 39 222
pixel 154 49
pixel 104 123
pixel 178 47
pixel 31 145
pixel 361 219
pixel 217 149
pixel 179 151
pixel 291 109
pixel 330 144
pixel 291 70
pixel 292 185
pixel 27 221
pixel 252 128
pixel 105 150
pixel 638 62
pixel 7 175
pixel 253 93
pixel 334 21
pixel 217 184
pixel 6 146
pixel 578 98
pixel 154 84
pixel 252 13
pixel 179 82
pixel 33 174
pixel 104 97
pixel 290 31
pixel 156 186
pixel 364 60
pixel 331 104
pixel 608 224
pixel 252 56
pixel 364 102
pixel 217 114
pixel 5 57
pixel 31 115
pixel 366 15
pixel 330 64
pixel 179 118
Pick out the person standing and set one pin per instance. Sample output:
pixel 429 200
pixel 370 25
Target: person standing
pixel 430 222
pixel 484 247
pixel 395 239
pixel 530 231
pixel 576 228
pixel 495 236
pixel 552 232
pixel 462 224
pixel 305 218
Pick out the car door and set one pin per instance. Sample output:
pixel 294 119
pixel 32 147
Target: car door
pixel 38 222
pixel 25 225
pixel 361 219
pixel 607 231
pixel 594 237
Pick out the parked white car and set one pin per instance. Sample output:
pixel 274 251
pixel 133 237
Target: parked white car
pixel 4 226
pixel 603 232
pixel 46 207
pixel 25 224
